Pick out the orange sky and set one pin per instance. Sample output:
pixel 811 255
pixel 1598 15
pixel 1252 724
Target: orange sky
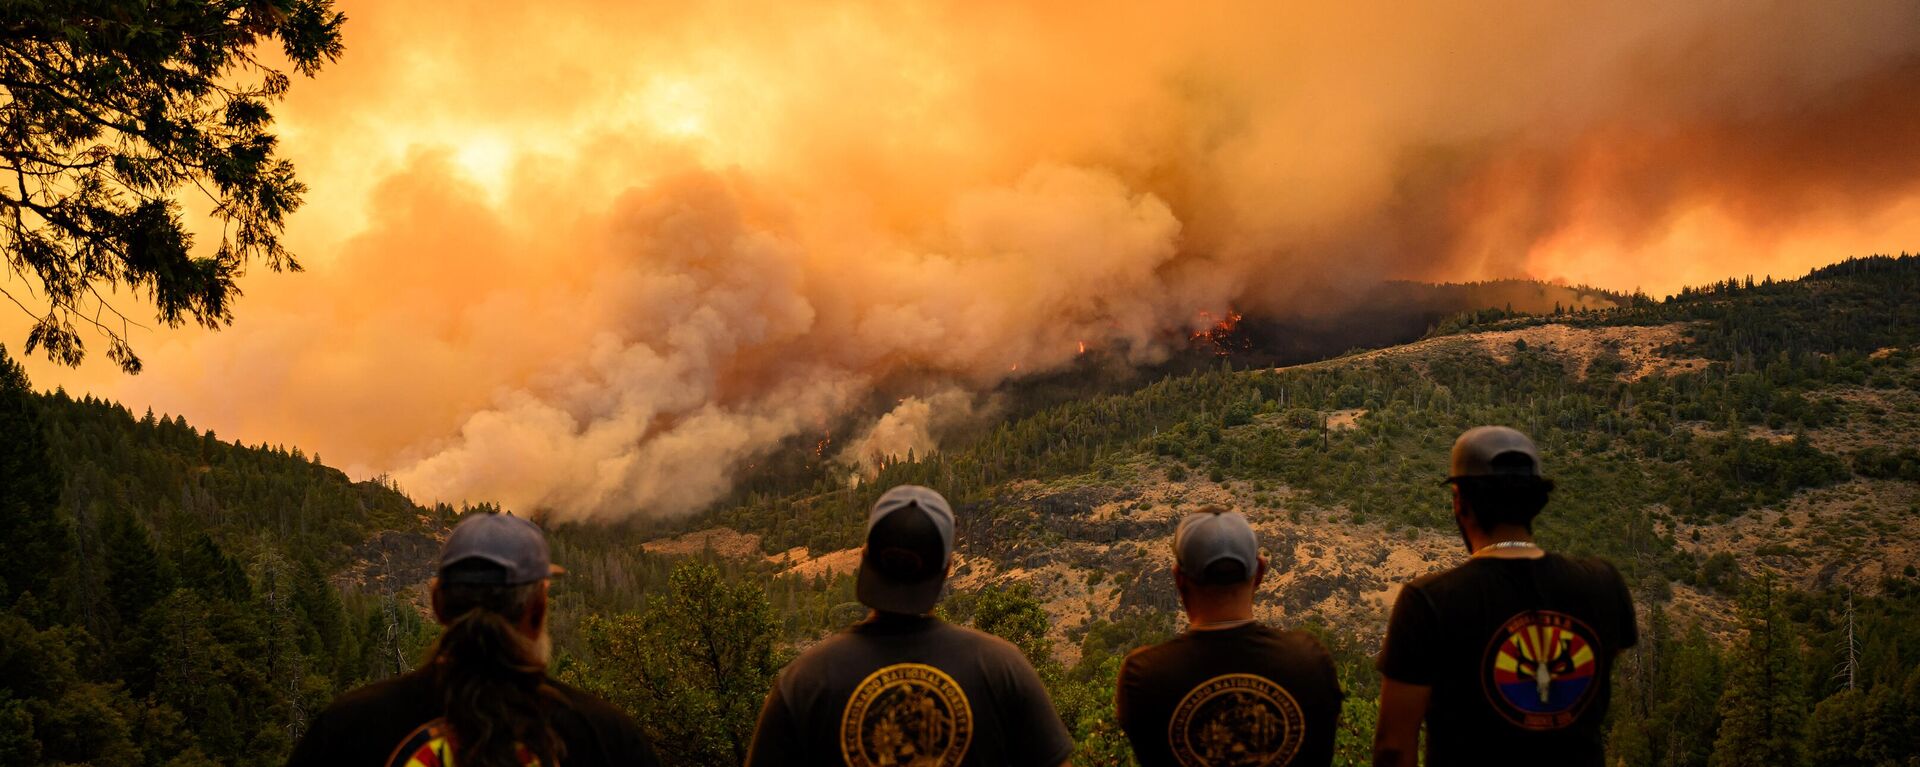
pixel 594 256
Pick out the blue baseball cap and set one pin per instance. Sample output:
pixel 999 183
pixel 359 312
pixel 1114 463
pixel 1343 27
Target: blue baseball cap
pixel 1213 535
pixel 513 544
pixel 903 567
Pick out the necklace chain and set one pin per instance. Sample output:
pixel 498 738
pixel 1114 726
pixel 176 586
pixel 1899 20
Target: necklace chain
pixel 1220 624
pixel 1506 545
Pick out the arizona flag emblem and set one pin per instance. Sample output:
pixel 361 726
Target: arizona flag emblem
pixel 431 745
pixel 1540 669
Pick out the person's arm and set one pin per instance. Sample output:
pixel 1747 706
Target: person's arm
pixel 1124 707
pixel 312 750
pixel 1396 740
pixel 639 749
pixel 774 739
pixel 1037 729
pixel 1408 659
pixel 1629 620
pixel 1323 719
pixel 1135 707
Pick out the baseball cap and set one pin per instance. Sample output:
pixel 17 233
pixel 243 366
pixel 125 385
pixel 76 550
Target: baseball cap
pixel 909 539
pixel 1210 536
pixel 1493 451
pixel 515 545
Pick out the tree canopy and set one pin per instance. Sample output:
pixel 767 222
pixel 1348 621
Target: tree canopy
pixel 108 109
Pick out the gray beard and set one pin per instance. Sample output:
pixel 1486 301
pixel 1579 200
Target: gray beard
pixel 543 647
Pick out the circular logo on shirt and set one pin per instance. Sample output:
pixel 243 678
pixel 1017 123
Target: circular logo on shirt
pixel 1236 719
pixel 1540 669
pixel 906 714
pixel 431 745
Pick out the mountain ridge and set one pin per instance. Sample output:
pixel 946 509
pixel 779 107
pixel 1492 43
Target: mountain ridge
pixel 1746 436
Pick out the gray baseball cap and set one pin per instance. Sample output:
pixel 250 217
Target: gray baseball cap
pixel 515 544
pixel 1493 451
pixel 1214 535
pixel 903 567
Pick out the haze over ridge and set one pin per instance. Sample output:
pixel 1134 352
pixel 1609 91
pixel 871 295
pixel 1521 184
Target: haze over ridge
pixel 594 258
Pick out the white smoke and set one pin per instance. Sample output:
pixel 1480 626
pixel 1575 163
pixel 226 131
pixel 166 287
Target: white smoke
pixel 911 429
pixel 603 274
pixel 719 337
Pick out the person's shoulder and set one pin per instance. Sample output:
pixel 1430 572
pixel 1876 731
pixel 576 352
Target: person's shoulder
pixel 1149 655
pixel 966 641
pixel 826 648
pixel 1595 569
pixel 1438 580
pixel 611 726
pixel 379 696
pixel 1299 640
pixel 982 642
pixel 816 664
pixel 1295 647
pixel 590 706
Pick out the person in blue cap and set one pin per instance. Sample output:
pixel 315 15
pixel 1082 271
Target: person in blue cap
pixel 1508 657
pixel 483 698
pixel 903 687
pixel 1229 689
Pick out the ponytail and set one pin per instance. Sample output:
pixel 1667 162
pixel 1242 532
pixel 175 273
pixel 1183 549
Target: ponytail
pixel 493 679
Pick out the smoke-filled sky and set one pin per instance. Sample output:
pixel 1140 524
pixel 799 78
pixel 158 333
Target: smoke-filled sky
pixel 595 257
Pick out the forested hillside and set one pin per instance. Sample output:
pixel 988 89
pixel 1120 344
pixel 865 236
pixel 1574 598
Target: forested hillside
pixel 1746 453
pixel 1743 452
pixel 170 594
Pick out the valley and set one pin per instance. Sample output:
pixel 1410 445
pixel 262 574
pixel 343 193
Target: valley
pixel 1746 438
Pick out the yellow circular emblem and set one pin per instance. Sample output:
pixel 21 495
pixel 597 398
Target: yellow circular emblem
pixel 1237 720
pixel 906 714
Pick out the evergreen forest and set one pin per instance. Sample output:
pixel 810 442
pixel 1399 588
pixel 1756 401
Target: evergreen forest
pixel 171 598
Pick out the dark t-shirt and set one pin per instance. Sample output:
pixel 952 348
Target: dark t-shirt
pixel 1251 694
pixel 898 689
pixel 1519 653
pixel 398 721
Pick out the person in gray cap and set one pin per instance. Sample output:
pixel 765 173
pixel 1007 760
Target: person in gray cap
pixel 483 698
pixel 902 687
pixel 1228 690
pixel 1507 657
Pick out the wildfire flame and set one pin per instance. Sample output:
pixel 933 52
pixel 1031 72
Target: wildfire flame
pixel 1219 334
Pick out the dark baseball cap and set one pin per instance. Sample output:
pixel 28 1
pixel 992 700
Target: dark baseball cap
pixel 1211 536
pixel 514 546
pixel 903 567
pixel 1493 451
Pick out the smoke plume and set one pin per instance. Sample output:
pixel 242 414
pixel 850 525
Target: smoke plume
pixel 597 257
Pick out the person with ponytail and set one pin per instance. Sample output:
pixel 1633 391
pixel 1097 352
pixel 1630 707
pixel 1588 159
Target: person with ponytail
pixel 483 697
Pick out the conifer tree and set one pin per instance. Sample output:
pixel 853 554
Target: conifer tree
pixel 136 576
pixel 36 538
pixel 111 107
pixel 1763 708
pixel 1836 732
pixel 206 568
pixel 325 636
